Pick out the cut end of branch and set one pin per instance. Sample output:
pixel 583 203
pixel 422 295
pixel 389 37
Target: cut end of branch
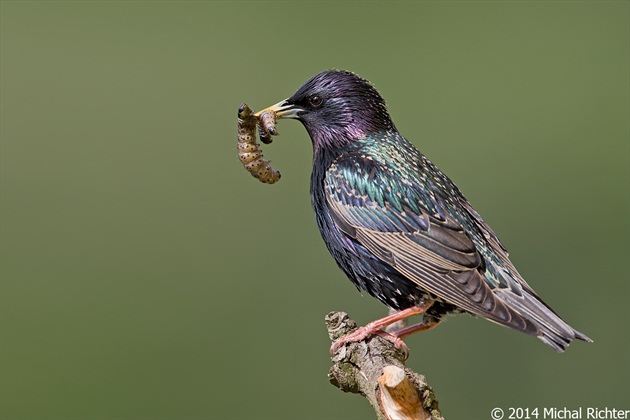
pixel 398 397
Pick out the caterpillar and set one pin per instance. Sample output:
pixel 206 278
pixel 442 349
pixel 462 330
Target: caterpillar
pixel 249 152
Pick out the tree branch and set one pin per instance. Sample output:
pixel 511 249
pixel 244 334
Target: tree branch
pixel 375 369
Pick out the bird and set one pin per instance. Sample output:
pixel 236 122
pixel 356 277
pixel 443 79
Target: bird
pixel 398 227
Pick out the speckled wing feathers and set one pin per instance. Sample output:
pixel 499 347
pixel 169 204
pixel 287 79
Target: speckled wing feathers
pixel 455 280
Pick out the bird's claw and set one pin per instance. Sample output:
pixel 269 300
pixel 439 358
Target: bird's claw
pixel 396 341
pixel 362 333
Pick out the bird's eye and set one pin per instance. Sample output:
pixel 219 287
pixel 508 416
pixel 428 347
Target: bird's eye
pixel 315 100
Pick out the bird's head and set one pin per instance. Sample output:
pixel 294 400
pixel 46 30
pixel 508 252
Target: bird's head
pixel 336 107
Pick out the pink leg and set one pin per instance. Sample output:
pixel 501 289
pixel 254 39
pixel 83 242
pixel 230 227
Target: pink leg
pixel 398 325
pixel 421 326
pixel 375 327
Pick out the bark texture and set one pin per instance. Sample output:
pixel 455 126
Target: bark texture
pixel 375 369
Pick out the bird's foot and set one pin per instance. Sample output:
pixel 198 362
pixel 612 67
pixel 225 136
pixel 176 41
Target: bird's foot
pixel 362 333
pixel 376 327
pixel 395 340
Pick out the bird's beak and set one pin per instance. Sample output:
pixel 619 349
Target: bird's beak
pixel 283 109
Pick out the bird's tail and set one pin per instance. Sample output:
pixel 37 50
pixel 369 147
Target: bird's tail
pixel 551 329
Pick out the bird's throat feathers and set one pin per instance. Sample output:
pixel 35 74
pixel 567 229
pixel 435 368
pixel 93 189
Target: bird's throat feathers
pixel 331 140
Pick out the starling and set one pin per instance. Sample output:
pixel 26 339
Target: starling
pixel 398 227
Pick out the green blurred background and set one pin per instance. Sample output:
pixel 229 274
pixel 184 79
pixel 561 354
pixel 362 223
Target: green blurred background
pixel 145 274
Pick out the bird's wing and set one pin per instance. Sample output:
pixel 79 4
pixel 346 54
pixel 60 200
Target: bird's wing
pixel 407 225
